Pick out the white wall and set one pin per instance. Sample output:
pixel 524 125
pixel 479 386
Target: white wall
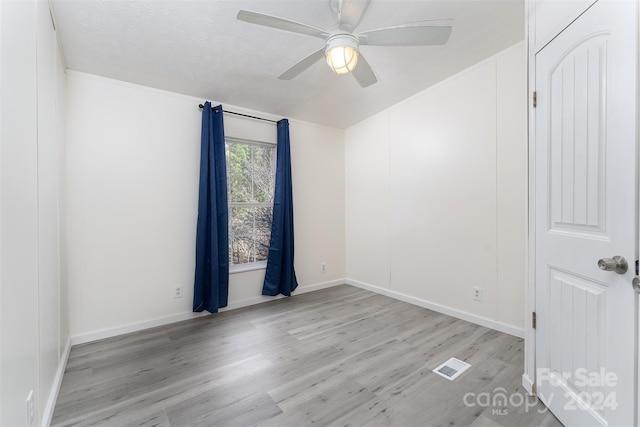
pixel 132 187
pixel 19 215
pixel 511 185
pixel 33 335
pixel 436 193
pixel 367 183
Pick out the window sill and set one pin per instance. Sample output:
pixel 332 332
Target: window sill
pixel 245 268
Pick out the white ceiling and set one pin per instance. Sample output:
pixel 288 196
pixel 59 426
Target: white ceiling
pixel 198 48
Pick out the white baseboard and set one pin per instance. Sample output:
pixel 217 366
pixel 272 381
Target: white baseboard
pixel 527 383
pixel 469 317
pixel 131 327
pixel 47 413
pixel 322 285
pixel 152 323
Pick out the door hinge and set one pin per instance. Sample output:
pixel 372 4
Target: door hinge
pixel 637 267
pixel 533 320
pixel 535 99
pixel 534 389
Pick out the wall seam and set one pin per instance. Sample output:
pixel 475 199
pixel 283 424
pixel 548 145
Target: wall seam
pixel 1 204
pixel 497 142
pixel 37 394
pixel 345 201
pixel 388 195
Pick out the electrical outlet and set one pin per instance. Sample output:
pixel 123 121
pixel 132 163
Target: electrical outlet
pixel 31 414
pixel 477 293
pixel 323 267
pixel 177 291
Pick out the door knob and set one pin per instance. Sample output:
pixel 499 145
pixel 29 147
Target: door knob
pixel 617 264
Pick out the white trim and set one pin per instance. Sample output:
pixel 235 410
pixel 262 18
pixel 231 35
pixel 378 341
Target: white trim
pixel 249 141
pixel 138 326
pixel 131 327
pixel 530 291
pixel 47 413
pixel 146 324
pixel 469 317
pixel 527 383
pixel 250 266
pixel 530 296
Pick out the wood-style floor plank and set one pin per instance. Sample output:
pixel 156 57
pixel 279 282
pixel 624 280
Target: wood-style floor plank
pixel 340 356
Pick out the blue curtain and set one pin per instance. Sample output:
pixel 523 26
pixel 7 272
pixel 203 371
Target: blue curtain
pixel 280 277
pixel 211 284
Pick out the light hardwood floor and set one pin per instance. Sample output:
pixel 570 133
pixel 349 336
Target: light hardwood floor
pixel 340 356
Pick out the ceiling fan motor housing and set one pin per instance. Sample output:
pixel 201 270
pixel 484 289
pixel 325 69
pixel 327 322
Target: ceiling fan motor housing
pixel 341 52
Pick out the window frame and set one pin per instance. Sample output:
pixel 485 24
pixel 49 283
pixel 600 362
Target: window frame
pixel 254 265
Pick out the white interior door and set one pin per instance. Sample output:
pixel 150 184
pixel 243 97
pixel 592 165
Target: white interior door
pixel 585 169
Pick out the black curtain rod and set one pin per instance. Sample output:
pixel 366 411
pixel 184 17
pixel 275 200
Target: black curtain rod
pixel 244 115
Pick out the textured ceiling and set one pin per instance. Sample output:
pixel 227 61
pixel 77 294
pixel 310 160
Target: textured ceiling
pixel 198 48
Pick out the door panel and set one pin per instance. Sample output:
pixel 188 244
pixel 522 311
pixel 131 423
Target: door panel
pixel 585 157
pixel 576 145
pixel 576 307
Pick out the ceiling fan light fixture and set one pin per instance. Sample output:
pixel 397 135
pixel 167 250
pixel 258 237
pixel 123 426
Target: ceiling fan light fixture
pixel 342 53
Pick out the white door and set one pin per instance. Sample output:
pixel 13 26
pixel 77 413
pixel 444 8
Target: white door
pixel 585 183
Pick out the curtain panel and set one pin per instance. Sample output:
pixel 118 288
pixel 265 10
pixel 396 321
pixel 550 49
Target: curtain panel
pixel 280 276
pixel 211 283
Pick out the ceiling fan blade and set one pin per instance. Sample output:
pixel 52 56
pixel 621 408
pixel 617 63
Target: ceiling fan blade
pixel 281 24
pixel 363 73
pixel 426 33
pixel 302 65
pixel 350 13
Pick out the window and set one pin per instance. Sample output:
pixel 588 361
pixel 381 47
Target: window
pixel 251 170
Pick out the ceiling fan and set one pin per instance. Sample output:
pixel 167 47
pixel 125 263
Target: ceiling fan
pixel 342 45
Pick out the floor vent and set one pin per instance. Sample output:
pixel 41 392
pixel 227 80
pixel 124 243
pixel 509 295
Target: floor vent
pixel 452 368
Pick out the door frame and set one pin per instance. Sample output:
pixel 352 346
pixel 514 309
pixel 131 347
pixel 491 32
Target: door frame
pixel 529 375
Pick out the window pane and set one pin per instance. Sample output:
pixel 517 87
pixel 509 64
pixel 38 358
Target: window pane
pixel 263 159
pixel 263 173
pixel 242 250
pixel 263 232
pixel 263 188
pixel 239 172
pixel 239 156
pixel 242 222
pixel 263 220
pixel 262 247
pixel 240 187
